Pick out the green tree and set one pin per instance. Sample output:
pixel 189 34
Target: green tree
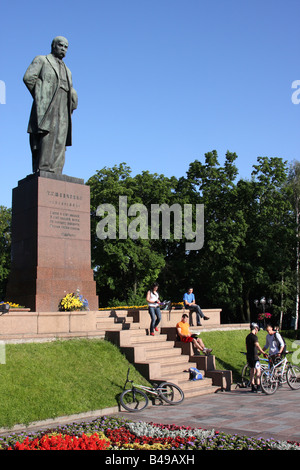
pixel 216 266
pixel 249 245
pixel 248 234
pixel 125 267
pixel 294 186
pixel 5 245
pixel 266 255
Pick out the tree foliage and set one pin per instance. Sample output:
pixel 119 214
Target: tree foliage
pixel 250 236
pixel 125 268
pixel 5 244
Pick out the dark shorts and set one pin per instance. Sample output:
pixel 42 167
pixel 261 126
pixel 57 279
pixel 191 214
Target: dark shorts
pixel 253 363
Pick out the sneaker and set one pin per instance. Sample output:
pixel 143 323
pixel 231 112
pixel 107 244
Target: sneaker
pixel 152 334
pixel 206 318
pixel 207 351
pixel 156 329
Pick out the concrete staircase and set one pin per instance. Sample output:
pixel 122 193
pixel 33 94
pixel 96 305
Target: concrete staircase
pixel 115 321
pixel 158 358
pixel 161 358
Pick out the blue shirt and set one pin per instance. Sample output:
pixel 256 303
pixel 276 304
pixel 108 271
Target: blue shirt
pixel 188 297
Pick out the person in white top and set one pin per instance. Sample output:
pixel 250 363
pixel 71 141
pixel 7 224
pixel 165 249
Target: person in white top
pixel 153 307
pixel 275 349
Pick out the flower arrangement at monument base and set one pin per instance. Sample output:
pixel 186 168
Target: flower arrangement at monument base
pixel 11 304
pixel 72 302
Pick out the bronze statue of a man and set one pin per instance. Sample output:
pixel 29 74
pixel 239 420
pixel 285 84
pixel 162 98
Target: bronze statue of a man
pixel 54 99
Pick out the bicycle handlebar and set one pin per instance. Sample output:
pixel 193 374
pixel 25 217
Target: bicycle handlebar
pixel 267 359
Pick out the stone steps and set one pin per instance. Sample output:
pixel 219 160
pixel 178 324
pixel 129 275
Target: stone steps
pixel 193 388
pixel 159 358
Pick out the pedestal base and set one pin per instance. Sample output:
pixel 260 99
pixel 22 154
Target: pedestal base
pixel 51 247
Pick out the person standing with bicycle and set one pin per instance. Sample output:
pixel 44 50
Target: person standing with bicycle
pixel 253 349
pixel 274 343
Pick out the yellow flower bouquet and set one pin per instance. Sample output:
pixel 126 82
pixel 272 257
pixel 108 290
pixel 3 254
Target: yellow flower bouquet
pixel 73 302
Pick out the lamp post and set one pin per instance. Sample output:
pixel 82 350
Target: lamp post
pixel 262 303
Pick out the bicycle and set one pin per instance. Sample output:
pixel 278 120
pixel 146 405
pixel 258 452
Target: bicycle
pixel 136 399
pixel 245 377
pixel 282 371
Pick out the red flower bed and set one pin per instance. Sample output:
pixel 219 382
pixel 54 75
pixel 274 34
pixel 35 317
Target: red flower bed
pixel 63 442
pixel 121 436
pixel 116 437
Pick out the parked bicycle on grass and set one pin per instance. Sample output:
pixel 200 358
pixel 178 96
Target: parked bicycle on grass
pixel 136 399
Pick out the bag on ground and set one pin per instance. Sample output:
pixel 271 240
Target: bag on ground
pixel 195 374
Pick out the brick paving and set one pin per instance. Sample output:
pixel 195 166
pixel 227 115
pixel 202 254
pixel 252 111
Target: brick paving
pixel 236 412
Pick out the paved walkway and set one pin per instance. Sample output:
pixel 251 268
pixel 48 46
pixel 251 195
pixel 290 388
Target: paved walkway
pixel 236 412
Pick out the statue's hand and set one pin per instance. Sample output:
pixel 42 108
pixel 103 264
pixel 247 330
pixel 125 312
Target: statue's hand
pixel 74 99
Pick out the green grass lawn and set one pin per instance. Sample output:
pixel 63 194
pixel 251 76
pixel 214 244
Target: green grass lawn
pixel 47 380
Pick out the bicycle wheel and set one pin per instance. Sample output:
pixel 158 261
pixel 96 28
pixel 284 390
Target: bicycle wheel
pixel 170 393
pixel 133 400
pixel 268 384
pixel 293 377
pixel 246 376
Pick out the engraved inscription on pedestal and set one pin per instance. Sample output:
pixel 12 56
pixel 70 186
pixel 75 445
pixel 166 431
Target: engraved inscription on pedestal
pixel 65 217
pixel 64 199
pixel 67 223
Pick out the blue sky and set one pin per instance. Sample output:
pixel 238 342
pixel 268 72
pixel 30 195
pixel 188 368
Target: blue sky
pixel 159 82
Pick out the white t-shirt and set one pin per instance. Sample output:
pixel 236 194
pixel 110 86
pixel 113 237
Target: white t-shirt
pixel 154 297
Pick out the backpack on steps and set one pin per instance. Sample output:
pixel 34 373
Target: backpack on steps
pixel 195 374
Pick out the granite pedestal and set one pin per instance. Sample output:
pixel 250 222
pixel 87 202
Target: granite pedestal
pixel 51 242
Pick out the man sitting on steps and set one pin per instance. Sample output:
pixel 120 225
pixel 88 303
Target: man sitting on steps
pixel 190 303
pixel 184 333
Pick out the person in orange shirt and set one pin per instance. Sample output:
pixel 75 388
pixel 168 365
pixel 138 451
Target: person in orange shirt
pixel 184 333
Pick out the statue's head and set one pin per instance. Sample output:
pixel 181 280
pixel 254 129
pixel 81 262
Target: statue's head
pixel 59 47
